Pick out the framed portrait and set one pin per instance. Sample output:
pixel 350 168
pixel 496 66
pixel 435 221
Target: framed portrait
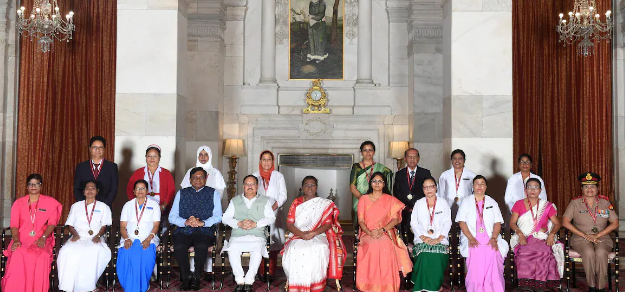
pixel 316 39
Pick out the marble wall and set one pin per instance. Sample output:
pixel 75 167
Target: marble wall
pixel 618 103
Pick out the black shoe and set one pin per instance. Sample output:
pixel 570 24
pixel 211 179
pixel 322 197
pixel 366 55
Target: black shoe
pixel 600 290
pixel 247 288
pixel 186 284
pixel 238 288
pixel 592 289
pixel 208 277
pixel 195 284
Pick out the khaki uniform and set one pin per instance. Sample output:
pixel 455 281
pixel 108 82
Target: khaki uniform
pixel 594 256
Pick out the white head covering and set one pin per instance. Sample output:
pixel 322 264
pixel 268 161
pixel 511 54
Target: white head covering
pixel 215 180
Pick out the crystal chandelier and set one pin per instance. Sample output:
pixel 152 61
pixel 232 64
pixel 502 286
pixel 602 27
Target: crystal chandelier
pixel 585 24
pixel 45 23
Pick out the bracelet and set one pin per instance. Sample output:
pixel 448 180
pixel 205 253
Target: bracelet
pixel 153 234
pixel 126 239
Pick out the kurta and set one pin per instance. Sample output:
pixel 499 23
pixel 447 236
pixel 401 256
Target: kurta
pixel 317 30
pixel 28 267
pixel 380 260
pixel 515 190
pixel 164 187
pixel 276 190
pixel 81 263
pixel 447 186
pixel 214 180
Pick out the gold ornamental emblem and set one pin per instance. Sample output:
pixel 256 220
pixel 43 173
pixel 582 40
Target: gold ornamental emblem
pixel 588 176
pixel 316 99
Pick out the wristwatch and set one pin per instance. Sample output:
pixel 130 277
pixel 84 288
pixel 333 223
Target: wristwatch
pixel 383 229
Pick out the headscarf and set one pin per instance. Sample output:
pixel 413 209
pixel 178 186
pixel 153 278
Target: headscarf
pixel 266 175
pixel 215 180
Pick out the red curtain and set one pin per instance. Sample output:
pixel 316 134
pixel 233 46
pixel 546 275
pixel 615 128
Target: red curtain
pixel 562 101
pixel 66 96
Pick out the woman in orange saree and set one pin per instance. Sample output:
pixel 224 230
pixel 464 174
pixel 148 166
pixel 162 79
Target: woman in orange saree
pixel 381 254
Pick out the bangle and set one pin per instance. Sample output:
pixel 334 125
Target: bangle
pixel 154 235
pixel 126 239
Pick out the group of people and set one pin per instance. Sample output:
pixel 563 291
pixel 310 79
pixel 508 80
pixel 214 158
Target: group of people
pixel 419 207
pixel 429 208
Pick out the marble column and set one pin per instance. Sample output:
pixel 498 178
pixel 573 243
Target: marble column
pixel 365 28
pixel 151 85
pixel 477 106
pixel 268 43
pixel 618 104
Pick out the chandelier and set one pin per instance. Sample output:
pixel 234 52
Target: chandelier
pixel 585 24
pixel 45 23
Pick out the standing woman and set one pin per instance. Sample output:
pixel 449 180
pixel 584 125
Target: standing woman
pixel 204 160
pixel 161 186
pixel 430 222
pixel 515 190
pixel 84 257
pixel 456 184
pixel 29 255
pixel 480 219
pixel 139 223
pixel 272 185
pixel 361 173
pixel 381 256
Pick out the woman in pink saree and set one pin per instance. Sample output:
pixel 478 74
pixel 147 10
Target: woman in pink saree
pixel 537 256
pixel 33 218
pixel 381 254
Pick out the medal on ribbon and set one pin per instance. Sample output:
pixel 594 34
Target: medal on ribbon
pixel 431 231
pixel 33 216
pixel 145 202
pixel 90 217
pixel 480 213
pixel 593 216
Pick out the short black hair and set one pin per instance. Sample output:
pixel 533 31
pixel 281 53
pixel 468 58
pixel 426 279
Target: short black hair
pixel 534 180
pixel 97 138
pixel 196 169
pixel 34 176
pixel 153 148
pixel 410 149
pixel 310 177
pixel 525 155
pixel 249 175
pixel 140 181
pixel 362 146
pixel 95 182
pixel 432 179
pixel 464 157
pixel 479 176
pixel 385 190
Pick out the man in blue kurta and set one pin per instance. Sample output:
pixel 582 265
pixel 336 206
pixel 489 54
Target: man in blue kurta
pixel 196 211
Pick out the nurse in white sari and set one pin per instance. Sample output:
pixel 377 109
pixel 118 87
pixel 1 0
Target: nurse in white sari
pixel 515 190
pixel 84 257
pixel 481 243
pixel 456 184
pixel 272 184
pixel 315 239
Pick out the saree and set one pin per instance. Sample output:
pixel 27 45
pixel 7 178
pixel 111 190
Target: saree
pixel 380 260
pixel 430 264
pixel 360 177
pixel 539 266
pixel 28 267
pixel 308 263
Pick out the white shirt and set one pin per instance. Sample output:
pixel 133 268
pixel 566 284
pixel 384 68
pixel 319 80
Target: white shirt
pixel 467 213
pixel 151 214
pixel 516 189
pixel 78 218
pixel 248 243
pixel 447 186
pixel 276 189
pixel 270 217
pixel 420 220
pixel 154 186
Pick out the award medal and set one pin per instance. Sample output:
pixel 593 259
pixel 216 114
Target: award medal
pixel 33 216
pixel 457 180
pixel 90 217
pixel 480 213
pixel 593 216
pixel 534 217
pixel 151 181
pixel 145 202
pixel 431 231
pixel 410 183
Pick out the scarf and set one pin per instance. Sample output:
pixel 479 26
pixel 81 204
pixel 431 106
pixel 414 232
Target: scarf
pixel 266 175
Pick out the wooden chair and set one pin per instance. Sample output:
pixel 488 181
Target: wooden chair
pixel 224 254
pixel 512 268
pixel 571 257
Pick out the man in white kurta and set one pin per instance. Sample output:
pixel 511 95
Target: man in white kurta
pixel 248 215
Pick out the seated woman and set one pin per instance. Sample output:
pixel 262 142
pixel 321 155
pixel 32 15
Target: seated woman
pixel 381 256
pixel 480 220
pixel 591 218
pixel 84 257
pixel 29 255
pixel 314 223
pixel 533 242
pixel 430 222
pixel 139 223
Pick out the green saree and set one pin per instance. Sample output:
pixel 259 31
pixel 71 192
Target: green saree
pixel 360 178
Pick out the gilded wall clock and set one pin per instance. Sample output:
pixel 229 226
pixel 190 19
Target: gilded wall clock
pixel 316 99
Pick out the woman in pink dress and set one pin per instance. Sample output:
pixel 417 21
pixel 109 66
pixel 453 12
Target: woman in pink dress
pixel 480 220
pixel 381 256
pixel 33 218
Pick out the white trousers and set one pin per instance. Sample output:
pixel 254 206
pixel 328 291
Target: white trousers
pixel 235 262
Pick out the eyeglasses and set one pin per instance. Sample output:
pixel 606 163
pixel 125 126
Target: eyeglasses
pixel 309 186
pixel 432 187
pixel 35 184
pixel 140 189
pixel 152 156
pixel 249 184
pixel 525 162
pixel 197 177
pixel 457 159
pixel 589 187
pixel 368 150
pixel 411 157
pixel 97 147
pixel 533 188
pixel 377 181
